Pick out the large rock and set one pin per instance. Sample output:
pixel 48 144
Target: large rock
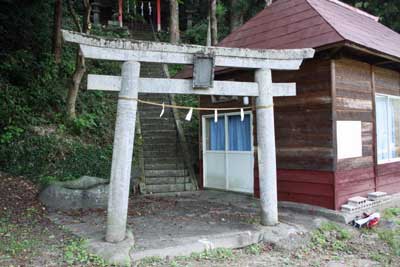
pixel 83 193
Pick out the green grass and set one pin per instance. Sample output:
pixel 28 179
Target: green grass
pixel 214 254
pixel 391 213
pixel 75 253
pixel 14 239
pixel 255 249
pixel 331 236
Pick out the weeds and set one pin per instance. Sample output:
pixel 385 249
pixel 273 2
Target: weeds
pixel 75 253
pixel 330 235
pixel 255 249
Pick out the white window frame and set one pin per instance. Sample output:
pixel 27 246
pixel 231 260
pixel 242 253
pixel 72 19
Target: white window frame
pixel 385 161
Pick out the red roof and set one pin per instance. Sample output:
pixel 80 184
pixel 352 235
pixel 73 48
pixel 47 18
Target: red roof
pixel 313 24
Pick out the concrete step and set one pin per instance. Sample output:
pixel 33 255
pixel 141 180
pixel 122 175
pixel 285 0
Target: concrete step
pixel 169 188
pixel 167 180
pixel 165 173
pixel 164 166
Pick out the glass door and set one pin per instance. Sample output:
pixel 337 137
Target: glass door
pixel 228 152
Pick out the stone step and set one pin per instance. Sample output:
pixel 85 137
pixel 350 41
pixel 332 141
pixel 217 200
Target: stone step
pixel 154 113
pixel 164 166
pixel 164 188
pixel 168 119
pixel 163 159
pixel 161 154
pixel 171 149
pixel 165 173
pixel 167 180
pixel 157 125
pixel 161 128
pixel 159 132
pixel 172 138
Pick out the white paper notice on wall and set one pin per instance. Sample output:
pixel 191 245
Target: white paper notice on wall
pixel 349 139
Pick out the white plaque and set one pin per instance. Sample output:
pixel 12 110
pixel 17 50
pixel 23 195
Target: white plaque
pixel 349 139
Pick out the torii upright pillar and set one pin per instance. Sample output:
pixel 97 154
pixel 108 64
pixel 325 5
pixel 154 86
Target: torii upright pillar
pixel 122 153
pixel 266 148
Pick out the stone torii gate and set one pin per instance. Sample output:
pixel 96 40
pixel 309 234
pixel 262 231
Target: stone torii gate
pixel 132 52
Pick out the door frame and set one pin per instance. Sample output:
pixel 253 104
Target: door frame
pixel 204 146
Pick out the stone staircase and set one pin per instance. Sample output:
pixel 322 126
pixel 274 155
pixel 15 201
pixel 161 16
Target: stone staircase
pixel 164 167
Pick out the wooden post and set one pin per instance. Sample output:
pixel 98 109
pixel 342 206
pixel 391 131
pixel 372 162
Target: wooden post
pixel 120 6
pixel 158 15
pixel 266 148
pixel 122 153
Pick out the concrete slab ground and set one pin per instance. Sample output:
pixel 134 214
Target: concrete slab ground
pixel 169 225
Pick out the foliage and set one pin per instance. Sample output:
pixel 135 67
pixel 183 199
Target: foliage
pixel 47 158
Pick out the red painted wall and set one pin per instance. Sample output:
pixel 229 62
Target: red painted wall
pixel 388 177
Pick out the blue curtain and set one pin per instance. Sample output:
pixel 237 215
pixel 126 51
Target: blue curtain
pixel 217 134
pixel 239 133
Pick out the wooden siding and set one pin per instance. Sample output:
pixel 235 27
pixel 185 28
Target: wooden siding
pixel 310 187
pixel 388 177
pixel 353 182
pixel 354 101
pixel 356 84
pixel 387 81
pixel 303 124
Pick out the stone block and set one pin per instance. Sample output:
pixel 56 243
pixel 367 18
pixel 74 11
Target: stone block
pixel 85 192
pixel 357 201
pixel 376 195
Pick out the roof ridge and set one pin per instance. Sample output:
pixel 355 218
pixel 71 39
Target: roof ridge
pixel 354 9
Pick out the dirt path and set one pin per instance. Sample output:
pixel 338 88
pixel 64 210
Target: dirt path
pixel 28 238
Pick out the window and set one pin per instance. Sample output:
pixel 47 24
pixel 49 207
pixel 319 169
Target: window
pixel 388 128
pixel 228 133
pixel 215 134
pixel 239 133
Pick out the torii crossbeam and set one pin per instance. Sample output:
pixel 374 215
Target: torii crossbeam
pixel 133 52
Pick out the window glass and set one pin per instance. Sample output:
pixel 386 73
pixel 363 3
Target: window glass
pixel 215 137
pixel 382 128
pixel 388 127
pixel 394 121
pixel 239 133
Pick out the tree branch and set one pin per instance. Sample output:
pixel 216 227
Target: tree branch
pixel 74 15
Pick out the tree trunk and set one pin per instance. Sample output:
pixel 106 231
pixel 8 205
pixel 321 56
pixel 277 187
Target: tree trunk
pixel 57 43
pixel 80 70
pixel 174 22
pixel 236 15
pixel 214 22
pixel 80 67
pixel 208 41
